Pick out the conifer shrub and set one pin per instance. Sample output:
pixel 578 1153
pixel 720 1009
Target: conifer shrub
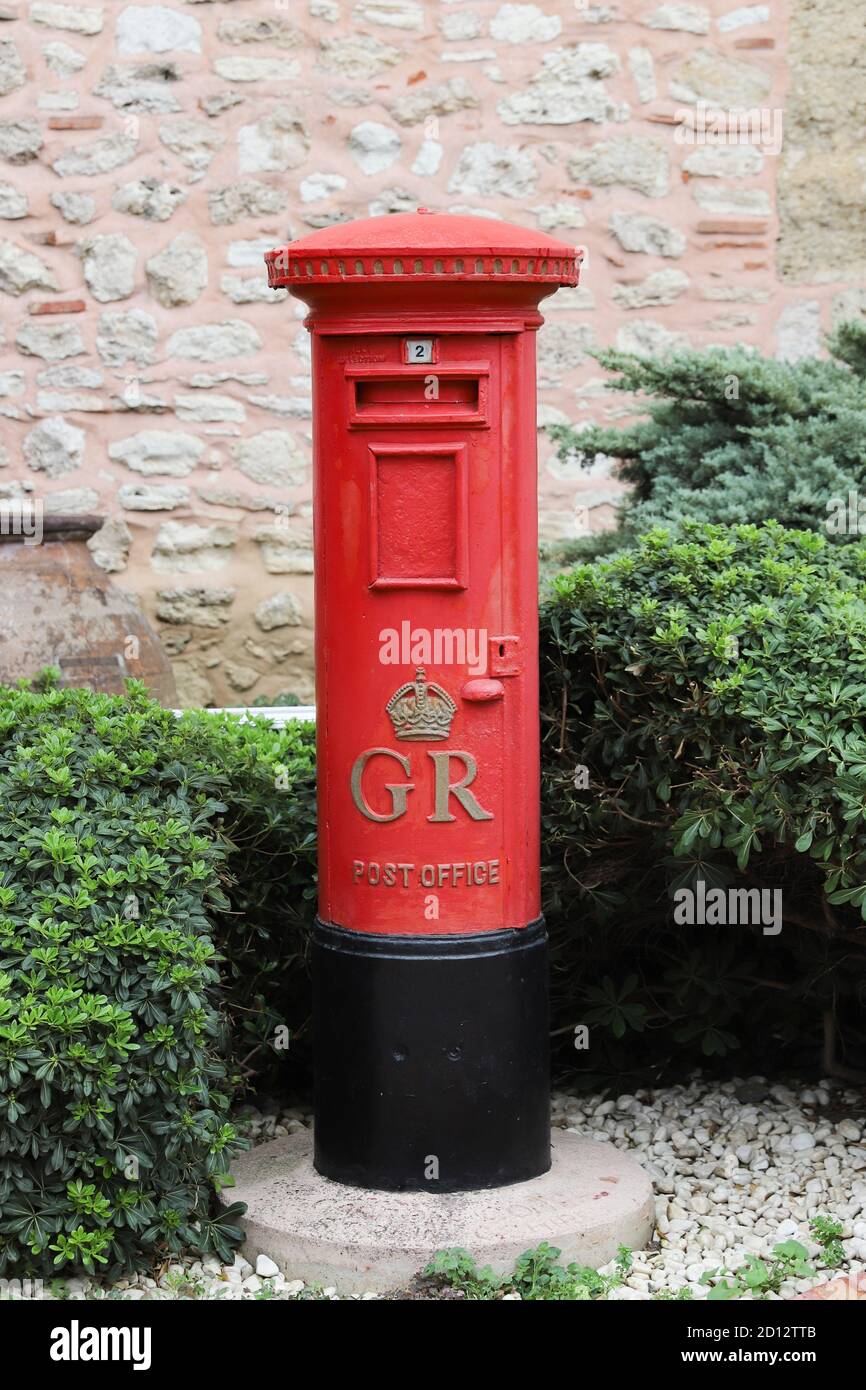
pixel 733 437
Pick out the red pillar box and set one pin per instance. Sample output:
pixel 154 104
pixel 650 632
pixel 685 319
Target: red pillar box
pixel 430 967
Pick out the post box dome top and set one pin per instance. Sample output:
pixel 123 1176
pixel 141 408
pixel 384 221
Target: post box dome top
pixel 422 245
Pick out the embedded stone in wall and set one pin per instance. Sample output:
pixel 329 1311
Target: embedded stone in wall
pixel 178 273
pixel 150 198
pixel 199 607
pixel 524 24
pixel 11 384
pixel 224 495
pixel 661 287
pixel 553 216
pixel 98 157
pixel 299 407
pixel 123 338
pixel 562 347
pixel 240 677
pixel 205 380
pixel 460 26
pixel 357 55
pixel 58 401
pixel 285 551
pixel 157 29
pixel 568 88
pixel 724 161
pixel 153 497
pixel 250 289
pixel 215 341
pixel 77 208
pixel 219 102
pixel 242 69
pixel 490 170
pixel 248 198
pixel 745 15
pixel 390 200
pixel 848 304
pixel 20 271
pixel 51 341
pixel 279 610
pixel 194 690
pixel 740 202
pixel 428 159
pixel 13 202
pixel 186 546
pixel 169 452
pixel 570 298
pixel 62 59
pixel 79 19
pixel 146 88
pixel 111 545
pixel 798 331
pixel 272 30
pixel 736 293
pixel 632 161
pixel 350 96
pixel 54 447
pixel 73 502
pixel 374 147
pixel 193 142
pixel 274 457
pixel 249 253
pixel 434 99
pixel 821 174
pixel 642 68
pixel 649 339
pixel 57 101
pixel 690 19
pixel 638 232
pixel 712 76
pixel 209 408
pixel 275 143
pixel 319 185
pixel 394 14
pixel 12 71
pixel 20 139
pixel 109 266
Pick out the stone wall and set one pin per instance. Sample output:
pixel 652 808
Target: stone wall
pixel 150 153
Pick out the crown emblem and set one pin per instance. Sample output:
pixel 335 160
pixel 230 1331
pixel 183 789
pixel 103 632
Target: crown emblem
pixel 420 709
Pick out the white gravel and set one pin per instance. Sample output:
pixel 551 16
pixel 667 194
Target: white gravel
pixel 737 1167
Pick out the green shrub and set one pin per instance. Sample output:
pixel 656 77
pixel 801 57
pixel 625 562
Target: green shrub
pixel 703 719
pixel 265 779
pixel 732 437
pixel 114 1088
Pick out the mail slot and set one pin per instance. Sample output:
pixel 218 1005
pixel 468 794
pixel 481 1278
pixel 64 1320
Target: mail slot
pixel 440 394
pixel 429 951
pixel 413 390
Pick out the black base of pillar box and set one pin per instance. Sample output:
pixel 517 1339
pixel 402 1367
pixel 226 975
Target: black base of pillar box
pixel 431 1058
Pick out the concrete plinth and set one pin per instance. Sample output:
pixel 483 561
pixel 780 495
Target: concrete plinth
pixel 593 1200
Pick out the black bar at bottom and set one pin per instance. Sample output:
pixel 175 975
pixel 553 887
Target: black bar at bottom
pixel 431 1058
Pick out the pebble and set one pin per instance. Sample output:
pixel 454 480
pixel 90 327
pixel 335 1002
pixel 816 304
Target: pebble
pixel 704 1145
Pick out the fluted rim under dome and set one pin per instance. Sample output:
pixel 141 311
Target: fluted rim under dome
pixel 423 245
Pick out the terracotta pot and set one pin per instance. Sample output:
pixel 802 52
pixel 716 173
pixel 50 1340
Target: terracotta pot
pixel 60 609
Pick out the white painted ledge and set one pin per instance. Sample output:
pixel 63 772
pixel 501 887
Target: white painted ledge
pixel 278 715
